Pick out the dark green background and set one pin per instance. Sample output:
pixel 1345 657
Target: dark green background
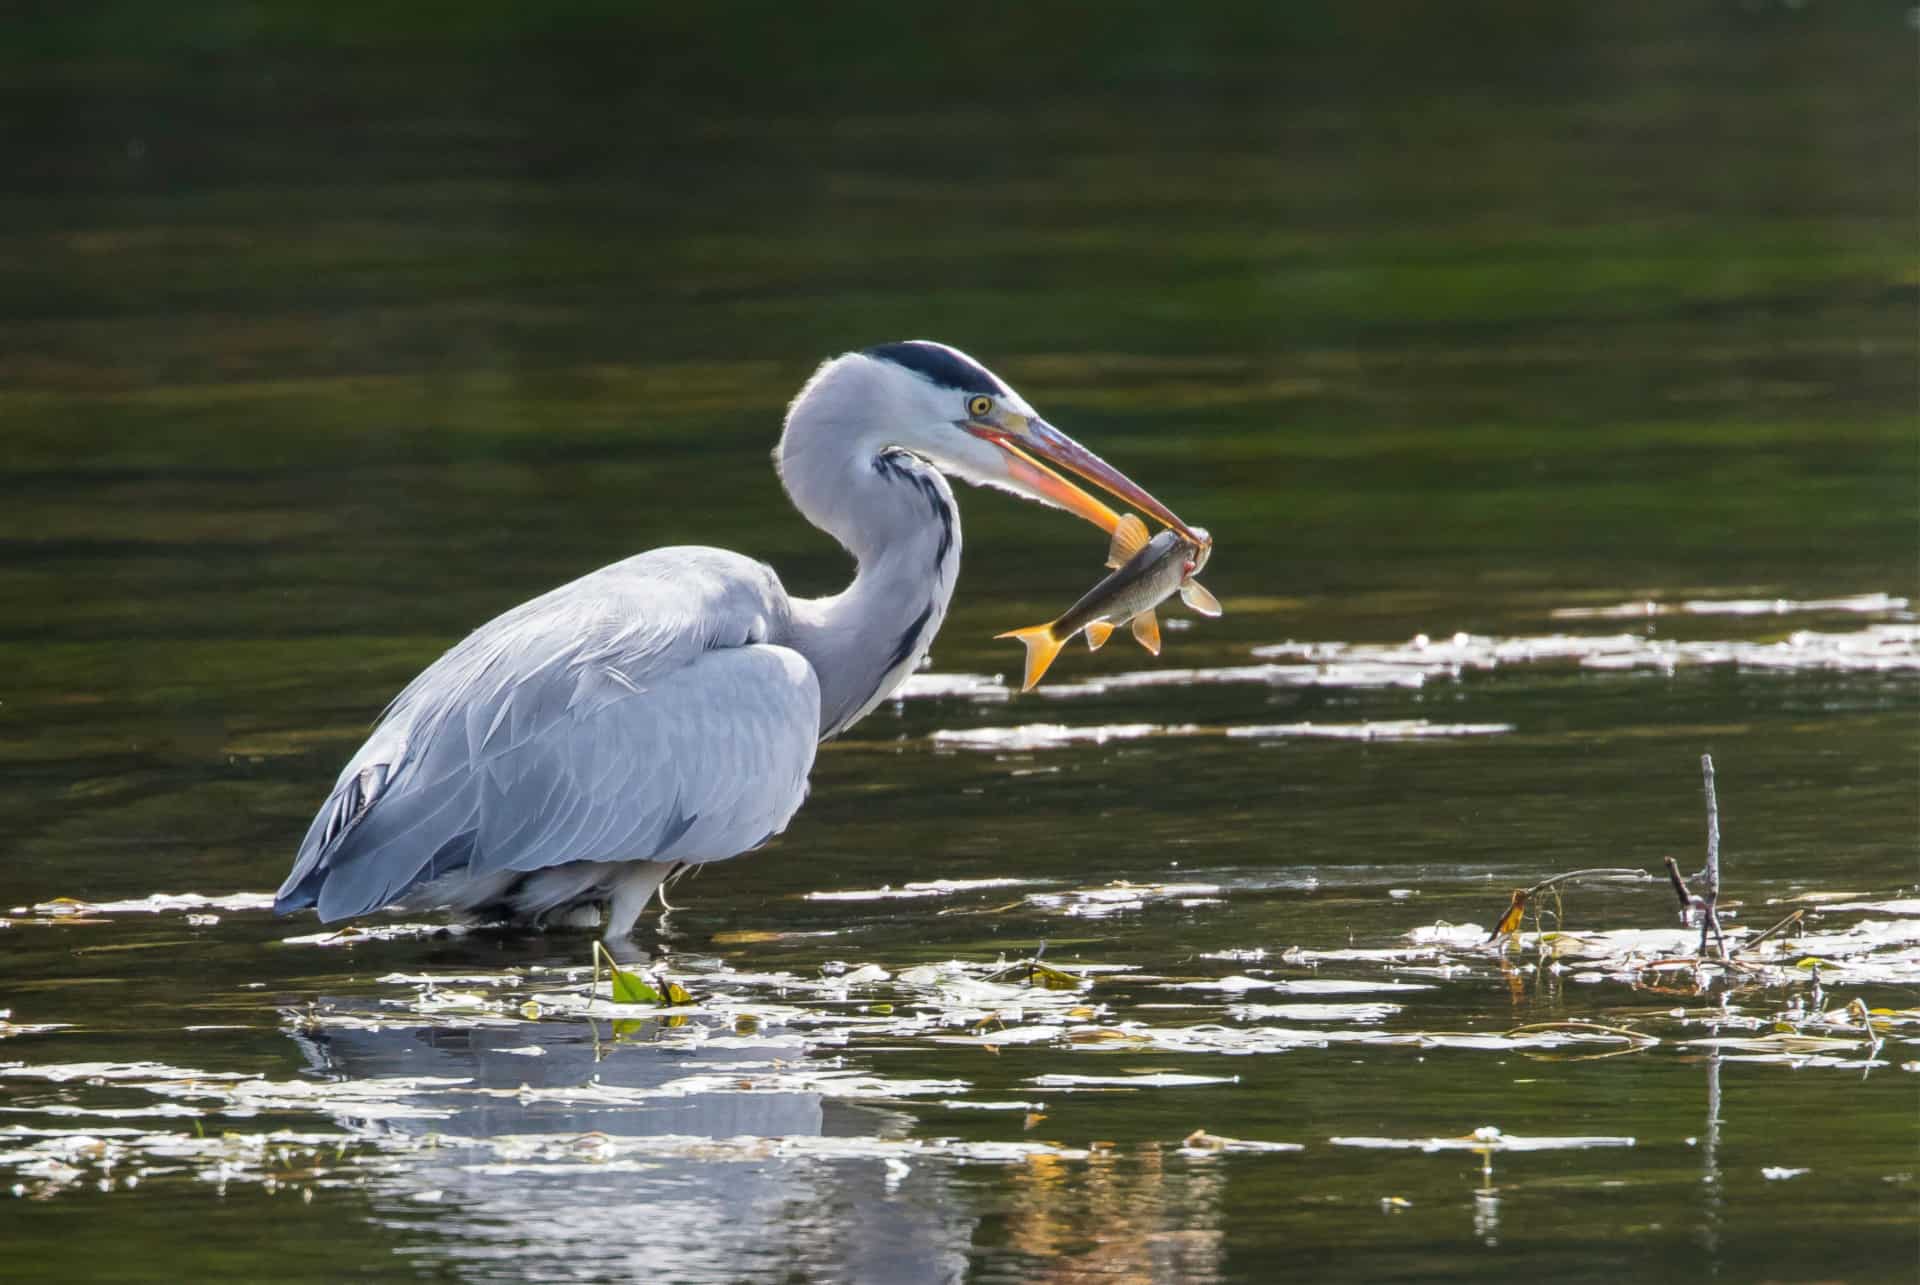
pixel 327 331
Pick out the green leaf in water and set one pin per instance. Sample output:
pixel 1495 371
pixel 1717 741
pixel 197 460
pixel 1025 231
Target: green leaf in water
pixel 628 987
pixel 1039 974
pixel 631 988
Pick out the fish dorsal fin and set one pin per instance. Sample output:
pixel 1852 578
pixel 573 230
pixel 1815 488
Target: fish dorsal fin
pixel 1128 539
pixel 1097 634
pixel 1195 595
pixel 1146 631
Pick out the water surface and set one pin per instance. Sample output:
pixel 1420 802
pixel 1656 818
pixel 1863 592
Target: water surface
pixel 325 340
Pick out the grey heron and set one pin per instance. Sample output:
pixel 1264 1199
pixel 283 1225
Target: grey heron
pixel 663 711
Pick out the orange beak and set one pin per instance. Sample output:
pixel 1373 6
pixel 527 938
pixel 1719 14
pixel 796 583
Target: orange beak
pixel 1019 436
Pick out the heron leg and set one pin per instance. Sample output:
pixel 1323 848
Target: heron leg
pixel 634 888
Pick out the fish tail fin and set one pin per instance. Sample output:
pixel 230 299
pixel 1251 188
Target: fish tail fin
pixel 1042 646
pixel 1098 632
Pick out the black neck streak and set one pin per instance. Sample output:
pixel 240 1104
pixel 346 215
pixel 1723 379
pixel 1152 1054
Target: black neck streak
pixel 908 470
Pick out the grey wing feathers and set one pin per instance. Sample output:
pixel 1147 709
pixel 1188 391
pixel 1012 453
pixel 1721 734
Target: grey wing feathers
pixel 636 714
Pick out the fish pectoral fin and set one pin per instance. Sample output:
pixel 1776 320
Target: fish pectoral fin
pixel 1129 537
pixel 1146 631
pixel 1195 595
pixel 1042 647
pixel 1097 634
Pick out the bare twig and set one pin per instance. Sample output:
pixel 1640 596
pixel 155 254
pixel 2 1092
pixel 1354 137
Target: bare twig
pixel 1790 920
pixel 1632 1036
pixel 1712 872
pixel 1692 903
pixel 1711 920
pixel 1598 872
pixel 1859 1009
pixel 1680 890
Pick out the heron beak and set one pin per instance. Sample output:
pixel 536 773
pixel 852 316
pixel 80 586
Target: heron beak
pixel 1024 439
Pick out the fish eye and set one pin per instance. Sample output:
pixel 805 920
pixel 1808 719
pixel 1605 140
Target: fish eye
pixel 979 406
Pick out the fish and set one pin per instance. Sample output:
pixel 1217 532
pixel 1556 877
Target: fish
pixel 1146 573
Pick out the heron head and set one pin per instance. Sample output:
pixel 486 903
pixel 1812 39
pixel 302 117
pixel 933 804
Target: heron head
pixel 967 421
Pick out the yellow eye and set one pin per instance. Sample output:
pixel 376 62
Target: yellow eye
pixel 979 406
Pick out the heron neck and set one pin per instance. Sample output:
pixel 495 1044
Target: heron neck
pixel 895 514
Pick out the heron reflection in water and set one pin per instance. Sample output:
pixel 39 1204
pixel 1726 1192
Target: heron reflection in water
pixel 570 755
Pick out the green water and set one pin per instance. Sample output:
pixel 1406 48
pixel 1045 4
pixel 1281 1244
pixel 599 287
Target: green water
pixel 325 335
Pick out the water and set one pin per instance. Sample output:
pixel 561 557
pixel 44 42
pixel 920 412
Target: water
pixel 319 349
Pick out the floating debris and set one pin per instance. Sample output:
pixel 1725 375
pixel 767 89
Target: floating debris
pixel 1396 729
pixel 1879 647
pixel 1203 1142
pixel 973 687
pixel 1141 1080
pixel 1485 1138
pixel 1862 603
pixel 355 934
pixel 1302 985
pixel 1050 736
pixel 1120 896
pixel 1896 906
pixel 1364 1013
pixel 407 1062
pixel 156 903
pixel 919 889
pixel 1361 675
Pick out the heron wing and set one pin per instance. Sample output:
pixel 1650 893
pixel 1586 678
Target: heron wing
pixel 637 714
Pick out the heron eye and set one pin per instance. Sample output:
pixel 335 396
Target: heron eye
pixel 979 406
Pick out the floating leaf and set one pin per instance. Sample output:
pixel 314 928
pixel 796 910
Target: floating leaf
pixel 628 987
pixel 1047 978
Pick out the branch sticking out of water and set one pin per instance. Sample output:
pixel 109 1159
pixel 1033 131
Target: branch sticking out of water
pixel 1712 872
pixel 1709 877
